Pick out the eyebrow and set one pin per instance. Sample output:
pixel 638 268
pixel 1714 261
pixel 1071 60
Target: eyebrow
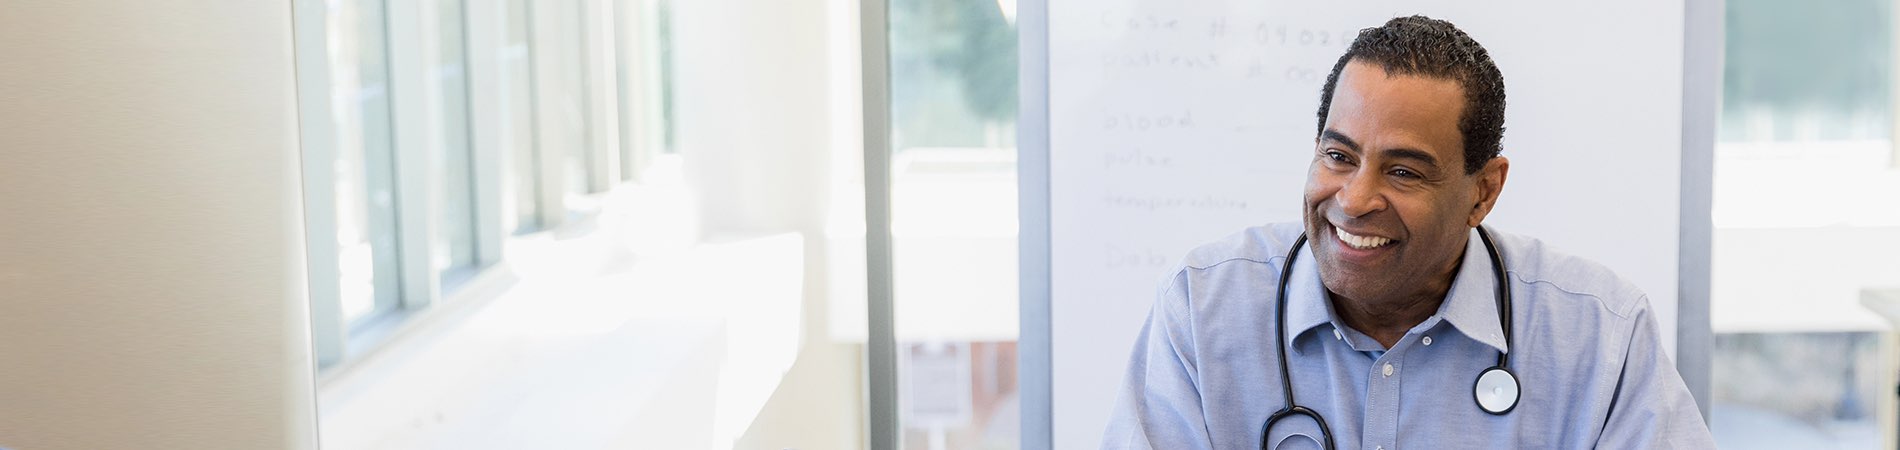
pixel 1414 154
pixel 1400 152
pixel 1336 136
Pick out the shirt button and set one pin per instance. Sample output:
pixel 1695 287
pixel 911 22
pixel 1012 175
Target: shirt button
pixel 1380 448
pixel 1338 335
pixel 1428 340
pixel 1388 369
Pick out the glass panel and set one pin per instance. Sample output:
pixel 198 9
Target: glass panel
pixel 1800 72
pixel 454 248
pixel 1802 258
pixel 519 183
pixel 359 76
pixel 953 207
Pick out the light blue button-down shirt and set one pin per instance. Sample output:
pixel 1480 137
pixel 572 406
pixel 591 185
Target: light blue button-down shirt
pixel 1204 373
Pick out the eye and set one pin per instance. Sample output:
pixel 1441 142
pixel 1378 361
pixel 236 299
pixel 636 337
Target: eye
pixel 1337 157
pixel 1405 173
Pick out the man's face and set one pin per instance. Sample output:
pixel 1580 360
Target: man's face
pixel 1388 203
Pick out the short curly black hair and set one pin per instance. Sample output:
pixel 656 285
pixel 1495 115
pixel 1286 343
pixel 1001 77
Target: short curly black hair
pixel 1424 46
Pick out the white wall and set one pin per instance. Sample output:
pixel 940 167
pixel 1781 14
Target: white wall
pixel 151 262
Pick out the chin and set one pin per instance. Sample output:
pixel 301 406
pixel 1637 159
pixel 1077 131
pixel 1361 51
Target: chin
pixel 1338 279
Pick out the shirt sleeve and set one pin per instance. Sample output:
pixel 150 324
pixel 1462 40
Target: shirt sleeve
pixel 1160 405
pixel 1652 407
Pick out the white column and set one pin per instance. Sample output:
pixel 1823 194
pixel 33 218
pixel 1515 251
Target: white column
pixel 487 29
pixel 152 288
pixel 630 44
pixel 554 49
pixel 638 44
pixel 409 110
pixel 602 93
pixel 751 103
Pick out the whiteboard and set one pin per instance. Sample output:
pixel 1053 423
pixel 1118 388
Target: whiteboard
pixel 1173 124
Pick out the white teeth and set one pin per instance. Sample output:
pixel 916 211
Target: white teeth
pixel 1361 242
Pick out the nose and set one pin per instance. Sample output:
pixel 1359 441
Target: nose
pixel 1363 194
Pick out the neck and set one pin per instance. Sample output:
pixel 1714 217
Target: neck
pixel 1388 319
pixel 1386 322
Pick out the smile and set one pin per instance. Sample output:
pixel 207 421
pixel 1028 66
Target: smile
pixel 1361 242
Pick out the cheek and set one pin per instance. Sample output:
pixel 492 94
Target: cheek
pixel 1320 185
pixel 1458 206
pixel 1423 217
pixel 1420 216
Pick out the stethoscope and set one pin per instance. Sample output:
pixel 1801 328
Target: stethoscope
pixel 1496 390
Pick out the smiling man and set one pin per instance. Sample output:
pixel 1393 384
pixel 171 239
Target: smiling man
pixel 1390 318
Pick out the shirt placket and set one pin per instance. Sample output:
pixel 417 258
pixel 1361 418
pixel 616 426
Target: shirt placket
pixel 1382 399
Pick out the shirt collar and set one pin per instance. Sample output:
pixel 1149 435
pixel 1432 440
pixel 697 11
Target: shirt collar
pixel 1470 306
pixel 1472 303
pixel 1307 304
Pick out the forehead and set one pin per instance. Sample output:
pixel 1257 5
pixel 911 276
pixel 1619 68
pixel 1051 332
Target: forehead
pixel 1379 110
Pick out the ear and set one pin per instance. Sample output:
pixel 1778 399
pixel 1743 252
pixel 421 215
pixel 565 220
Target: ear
pixel 1490 184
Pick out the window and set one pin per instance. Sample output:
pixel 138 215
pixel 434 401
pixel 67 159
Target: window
pixel 1805 221
pixel 1799 72
pixel 446 78
pixel 953 214
pixel 365 196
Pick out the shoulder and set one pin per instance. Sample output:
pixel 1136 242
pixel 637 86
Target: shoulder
pixel 1563 280
pixel 1261 244
pixel 1229 272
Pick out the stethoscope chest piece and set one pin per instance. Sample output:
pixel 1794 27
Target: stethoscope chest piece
pixel 1496 391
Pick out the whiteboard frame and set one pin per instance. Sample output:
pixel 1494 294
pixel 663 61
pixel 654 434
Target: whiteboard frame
pixel 1034 367
pixel 1702 59
pixel 1703 43
pixel 880 359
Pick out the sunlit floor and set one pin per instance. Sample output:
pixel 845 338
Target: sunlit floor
pixel 607 333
